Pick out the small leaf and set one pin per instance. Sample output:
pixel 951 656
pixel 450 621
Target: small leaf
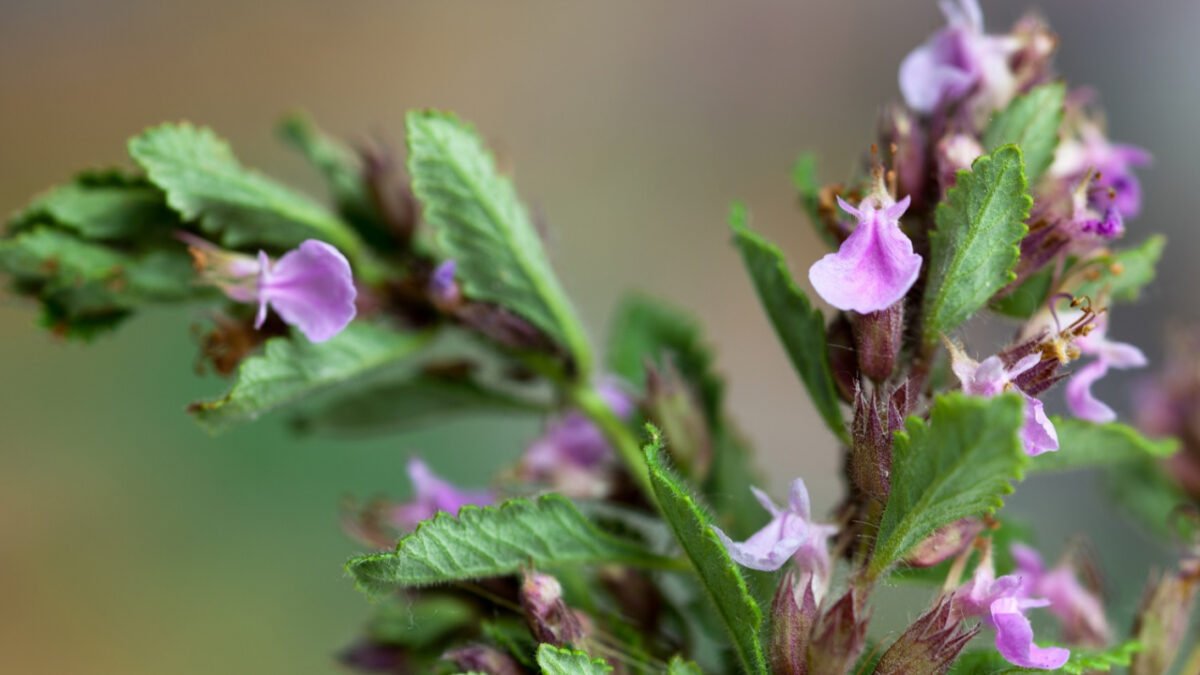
pixel 409 403
pixel 421 622
pixel 1031 123
pixel 1085 444
pixel 204 181
pixel 804 179
pixel 798 324
pixel 555 661
pixel 1025 300
pixel 975 246
pixel 721 578
pixel 958 464
pixel 495 541
pixel 680 666
pixel 103 206
pixel 482 225
pixel 292 368
pixel 1121 275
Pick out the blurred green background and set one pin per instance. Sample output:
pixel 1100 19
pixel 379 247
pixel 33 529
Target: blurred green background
pixel 132 542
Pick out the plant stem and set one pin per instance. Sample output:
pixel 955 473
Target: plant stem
pixel 591 403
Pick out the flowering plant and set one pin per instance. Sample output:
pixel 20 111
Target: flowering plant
pixel 632 536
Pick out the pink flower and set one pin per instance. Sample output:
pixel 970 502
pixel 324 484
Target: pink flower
pixel 311 287
pixel 1001 604
pixel 432 495
pixel 957 61
pixel 992 377
pixel 790 534
pixel 1109 354
pixel 875 266
pixel 1115 183
pixel 1078 609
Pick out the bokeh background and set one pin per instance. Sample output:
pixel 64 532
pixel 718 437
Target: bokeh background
pixel 132 542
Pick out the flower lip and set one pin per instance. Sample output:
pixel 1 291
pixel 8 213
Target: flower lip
pixel 311 287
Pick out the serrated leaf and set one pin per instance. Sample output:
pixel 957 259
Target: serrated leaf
pixel 481 224
pixel 292 368
pixel 204 181
pixel 958 464
pixel 799 325
pixel 1120 276
pixel 496 541
pixel 102 206
pixel 556 661
pixel 680 666
pixel 647 329
pixel 720 576
pixel 412 402
pixel 975 246
pixel 1085 444
pixel 1031 123
pixel 804 180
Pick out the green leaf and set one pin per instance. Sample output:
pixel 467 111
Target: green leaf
pixel 804 179
pixel 798 324
pixel 1031 123
pixel 680 666
pixel 292 368
pixel 959 464
pixel 1146 492
pixel 975 246
pixel 1085 444
pixel 496 541
pixel 1121 275
pixel 107 205
pixel 1025 300
pixel 721 578
pixel 646 329
pixel 204 181
pixel 421 622
pixel 412 402
pixel 482 225
pixel 989 661
pixel 555 661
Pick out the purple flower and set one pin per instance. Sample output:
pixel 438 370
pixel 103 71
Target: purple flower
pixel 955 152
pixel 875 266
pixel 432 495
pixel 1109 354
pixel 790 534
pixel 957 61
pixel 311 287
pixel 443 289
pixel 1001 605
pixel 992 377
pixel 573 452
pixel 1078 609
pixel 1112 164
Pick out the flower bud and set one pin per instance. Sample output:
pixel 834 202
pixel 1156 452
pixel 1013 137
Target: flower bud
pixel 871 455
pixel 877 339
pixel 673 407
pixel 483 659
pixel 549 618
pixel 930 645
pixel 955 152
pixel 793 614
pixel 1162 620
pixel 839 636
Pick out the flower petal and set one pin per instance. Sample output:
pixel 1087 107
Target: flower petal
pixel 1038 434
pixel 1014 639
pixel 311 288
pixel 767 550
pixel 873 268
pixel 1081 401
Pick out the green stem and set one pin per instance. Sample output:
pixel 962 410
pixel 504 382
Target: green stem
pixel 591 403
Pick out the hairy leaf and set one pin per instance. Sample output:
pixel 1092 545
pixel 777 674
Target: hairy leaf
pixel 975 246
pixel 482 225
pixel 958 464
pixel 292 368
pixel 204 181
pixel 1031 123
pixel 107 205
pixel 721 578
pixel 495 541
pixel 557 661
pixel 1085 444
pixel 411 402
pixel 1121 275
pixel 798 324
